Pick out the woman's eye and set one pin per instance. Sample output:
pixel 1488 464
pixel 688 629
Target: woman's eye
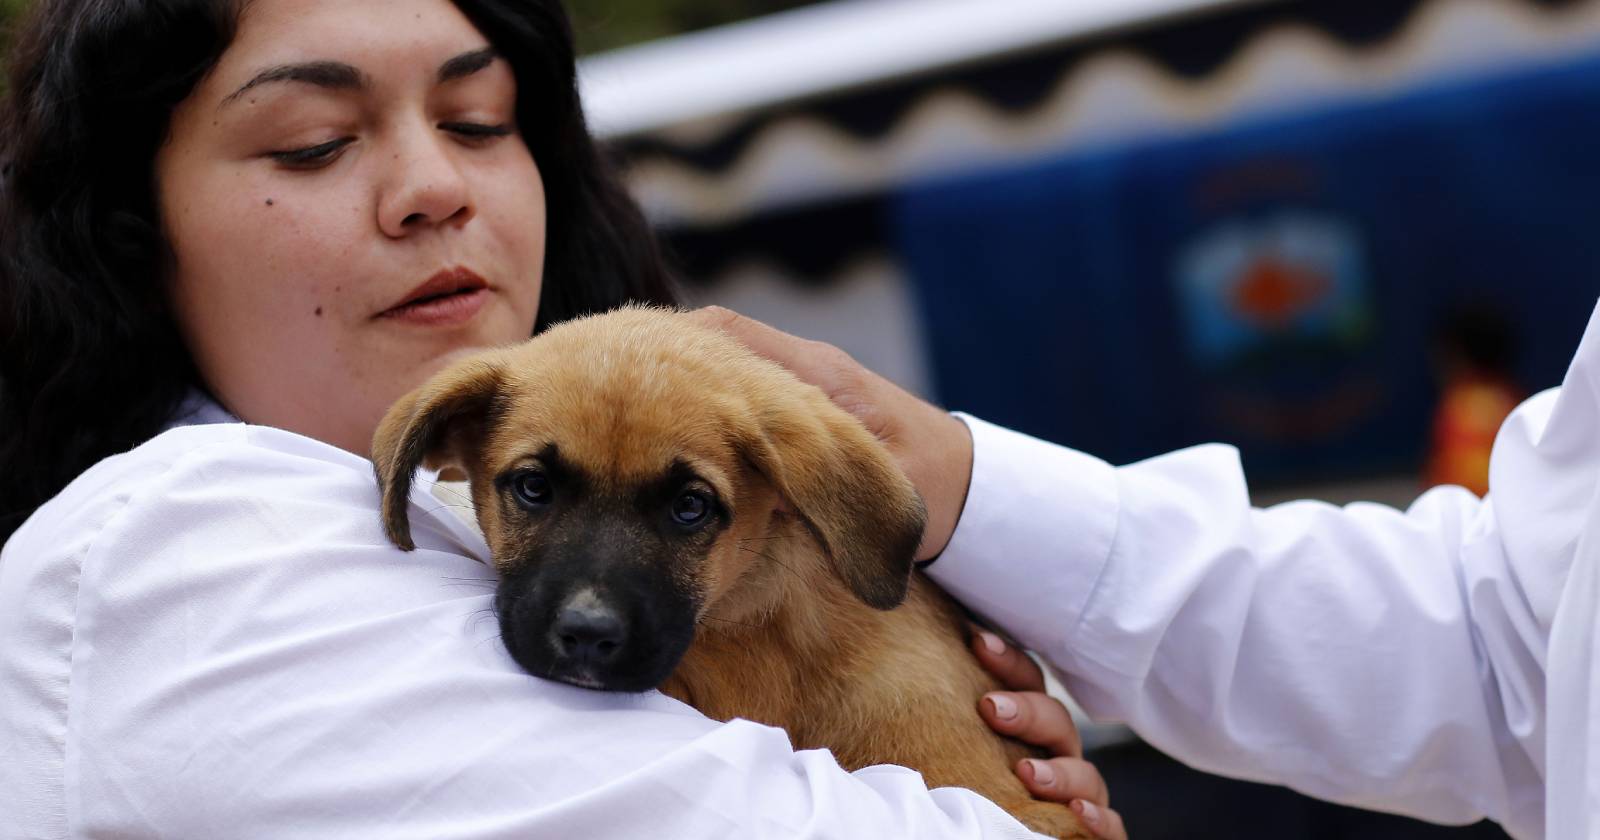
pixel 476 131
pixel 312 156
pixel 690 508
pixel 532 489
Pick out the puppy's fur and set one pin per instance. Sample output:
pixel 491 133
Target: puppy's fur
pixel 668 510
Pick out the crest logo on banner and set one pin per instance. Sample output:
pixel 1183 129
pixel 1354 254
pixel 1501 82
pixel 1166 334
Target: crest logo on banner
pixel 1277 309
pixel 1249 287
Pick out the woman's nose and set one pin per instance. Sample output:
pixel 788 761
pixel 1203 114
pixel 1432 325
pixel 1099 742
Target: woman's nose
pixel 426 187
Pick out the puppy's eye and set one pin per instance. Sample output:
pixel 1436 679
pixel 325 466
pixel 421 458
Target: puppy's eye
pixel 690 508
pixel 532 489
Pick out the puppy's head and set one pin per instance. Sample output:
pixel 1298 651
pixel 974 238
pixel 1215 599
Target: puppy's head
pixel 635 476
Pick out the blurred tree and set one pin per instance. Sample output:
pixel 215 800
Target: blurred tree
pixel 607 24
pixel 10 12
pixel 10 15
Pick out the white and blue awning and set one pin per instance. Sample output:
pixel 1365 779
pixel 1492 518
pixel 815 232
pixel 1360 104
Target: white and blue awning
pixel 858 97
pixel 827 48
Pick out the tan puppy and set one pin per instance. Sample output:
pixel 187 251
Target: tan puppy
pixel 666 509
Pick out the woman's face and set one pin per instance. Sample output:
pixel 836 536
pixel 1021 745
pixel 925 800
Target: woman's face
pixel 349 203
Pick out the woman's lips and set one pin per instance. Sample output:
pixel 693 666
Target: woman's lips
pixel 450 297
pixel 442 310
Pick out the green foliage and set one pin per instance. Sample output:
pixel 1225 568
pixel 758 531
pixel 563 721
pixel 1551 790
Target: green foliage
pixel 10 13
pixel 607 24
pixel 10 16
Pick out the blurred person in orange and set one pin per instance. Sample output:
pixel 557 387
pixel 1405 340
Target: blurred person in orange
pixel 1475 350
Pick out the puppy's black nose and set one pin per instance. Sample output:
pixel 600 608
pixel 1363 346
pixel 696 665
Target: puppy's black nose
pixel 588 633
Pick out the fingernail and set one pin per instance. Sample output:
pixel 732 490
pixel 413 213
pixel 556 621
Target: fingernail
pixel 1042 774
pixel 1087 811
pixel 1004 707
pixel 993 643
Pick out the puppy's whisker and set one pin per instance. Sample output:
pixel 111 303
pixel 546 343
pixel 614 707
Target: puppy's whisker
pixel 769 558
pixel 443 505
pixel 487 614
pixel 763 555
pixel 451 491
pixel 487 583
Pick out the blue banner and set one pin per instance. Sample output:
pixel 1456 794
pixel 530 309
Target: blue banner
pixel 1276 284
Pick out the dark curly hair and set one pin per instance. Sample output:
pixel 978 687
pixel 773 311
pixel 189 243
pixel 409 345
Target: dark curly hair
pixel 91 362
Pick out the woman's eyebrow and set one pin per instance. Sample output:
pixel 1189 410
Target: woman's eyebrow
pixel 336 75
pixel 333 75
pixel 466 64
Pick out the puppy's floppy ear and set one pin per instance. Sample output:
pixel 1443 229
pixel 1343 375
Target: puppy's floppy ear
pixel 843 484
pixel 440 422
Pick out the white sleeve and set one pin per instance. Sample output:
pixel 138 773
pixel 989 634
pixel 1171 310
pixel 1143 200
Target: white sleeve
pixel 251 658
pixel 1392 660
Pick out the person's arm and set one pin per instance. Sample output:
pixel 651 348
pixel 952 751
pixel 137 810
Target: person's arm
pixel 1436 662
pixel 1347 652
pixel 252 658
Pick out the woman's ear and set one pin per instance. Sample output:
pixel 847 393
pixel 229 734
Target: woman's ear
pixel 843 485
pixel 441 422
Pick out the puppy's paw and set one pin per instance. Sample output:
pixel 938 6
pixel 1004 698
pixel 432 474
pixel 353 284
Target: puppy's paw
pixel 1050 818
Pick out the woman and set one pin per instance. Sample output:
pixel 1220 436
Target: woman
pixel 290 212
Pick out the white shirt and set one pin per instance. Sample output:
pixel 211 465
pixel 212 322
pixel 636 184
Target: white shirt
pixel 209 636
pixel 1440 662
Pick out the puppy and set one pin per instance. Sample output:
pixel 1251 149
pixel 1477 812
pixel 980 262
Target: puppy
pixel 667 510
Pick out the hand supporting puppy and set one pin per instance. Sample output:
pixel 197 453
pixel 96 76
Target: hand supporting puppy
pixel 1029 714
pixel 932 446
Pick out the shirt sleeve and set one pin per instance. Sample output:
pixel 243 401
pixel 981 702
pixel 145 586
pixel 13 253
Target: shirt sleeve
pixel 251 658
pixel 1330 649
pixel 1394 660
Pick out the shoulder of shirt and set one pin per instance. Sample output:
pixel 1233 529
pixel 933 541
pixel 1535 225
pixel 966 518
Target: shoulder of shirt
pixel 230 458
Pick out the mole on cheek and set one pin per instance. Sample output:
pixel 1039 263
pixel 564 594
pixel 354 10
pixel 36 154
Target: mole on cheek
pixel 319 312
pixel 269 202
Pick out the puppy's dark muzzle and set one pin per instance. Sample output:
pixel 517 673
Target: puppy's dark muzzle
pixel 608 635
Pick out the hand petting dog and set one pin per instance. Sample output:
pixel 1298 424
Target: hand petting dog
pixel 933 448
pixel 935 451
